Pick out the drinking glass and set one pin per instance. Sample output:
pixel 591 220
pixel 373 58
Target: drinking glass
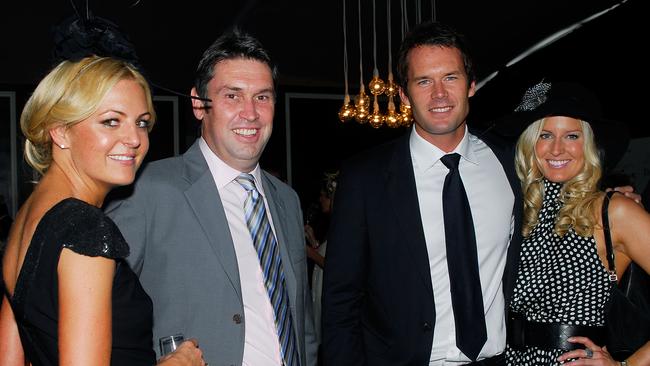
pixel 169 344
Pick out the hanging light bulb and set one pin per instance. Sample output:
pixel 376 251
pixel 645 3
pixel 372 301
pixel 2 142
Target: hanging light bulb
pixel 347 112
pixel 362 104
pixel 362 101
pixel 391 88
pixel 376 85
pixel 406 115
pixel 376 119
pixel 392 117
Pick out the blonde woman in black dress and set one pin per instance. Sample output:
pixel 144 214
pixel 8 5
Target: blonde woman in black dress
pixel 563 277
pixel 69 297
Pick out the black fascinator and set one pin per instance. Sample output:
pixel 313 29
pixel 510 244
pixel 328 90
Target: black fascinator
pixel 82 36
pixel 568 99
pixel 76 38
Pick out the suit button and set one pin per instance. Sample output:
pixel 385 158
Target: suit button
pixel 426 327
pixel 236 318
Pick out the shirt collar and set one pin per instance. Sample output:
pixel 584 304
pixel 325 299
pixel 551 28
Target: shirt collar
pixel 223 173
pixel 425 155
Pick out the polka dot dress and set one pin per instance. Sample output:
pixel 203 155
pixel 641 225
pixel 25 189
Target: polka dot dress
pixel 560 280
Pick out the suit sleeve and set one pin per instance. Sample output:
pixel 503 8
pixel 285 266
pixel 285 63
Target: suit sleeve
pixel 344 275
pixel 129 213
pixel 311 343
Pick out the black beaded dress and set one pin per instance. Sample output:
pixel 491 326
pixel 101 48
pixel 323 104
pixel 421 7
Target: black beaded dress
pixel 83 228
pixel 560 280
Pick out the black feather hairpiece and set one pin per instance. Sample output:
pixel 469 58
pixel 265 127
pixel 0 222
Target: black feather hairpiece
pixel 76 38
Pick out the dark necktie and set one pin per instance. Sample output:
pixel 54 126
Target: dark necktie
pixel 271 264
pixel 462 260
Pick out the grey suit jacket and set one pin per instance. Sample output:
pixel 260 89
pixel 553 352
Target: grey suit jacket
pixel 182 250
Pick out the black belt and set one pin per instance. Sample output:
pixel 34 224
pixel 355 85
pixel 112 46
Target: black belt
pixel 498 360
pixel 524 333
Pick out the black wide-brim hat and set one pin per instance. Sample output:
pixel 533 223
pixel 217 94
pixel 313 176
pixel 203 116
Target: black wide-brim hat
pixel 568 99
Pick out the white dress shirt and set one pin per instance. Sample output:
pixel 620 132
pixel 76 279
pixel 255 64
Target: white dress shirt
pixel 261 344
pixel 491 201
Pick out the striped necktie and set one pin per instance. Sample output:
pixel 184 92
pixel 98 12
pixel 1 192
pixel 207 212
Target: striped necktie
pixel 268 253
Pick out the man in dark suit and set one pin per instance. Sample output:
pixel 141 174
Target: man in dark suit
pixel 198 224
pixel 387 296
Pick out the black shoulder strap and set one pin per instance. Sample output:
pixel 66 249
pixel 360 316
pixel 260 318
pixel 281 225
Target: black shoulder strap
pixel 611 260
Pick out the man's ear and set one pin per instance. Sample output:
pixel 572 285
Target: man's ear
pixel 198 106
pixel 403 96
pixel 59 136
pixel 472 89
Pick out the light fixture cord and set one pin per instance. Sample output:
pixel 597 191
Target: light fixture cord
pixel 390 47
pixel 374 39
pixel 360 48
pixel 418 11
pixel 345 50
pixel 405 18
pixel 434 16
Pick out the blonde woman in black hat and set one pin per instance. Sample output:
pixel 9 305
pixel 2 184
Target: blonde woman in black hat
pixel 558 309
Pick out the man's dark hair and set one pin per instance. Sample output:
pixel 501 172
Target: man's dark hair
pixel 432 34
pixel 232 45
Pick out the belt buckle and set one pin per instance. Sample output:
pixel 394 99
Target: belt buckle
pixel 516 330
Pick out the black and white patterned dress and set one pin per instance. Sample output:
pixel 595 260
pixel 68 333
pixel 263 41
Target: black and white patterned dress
pixel 560 280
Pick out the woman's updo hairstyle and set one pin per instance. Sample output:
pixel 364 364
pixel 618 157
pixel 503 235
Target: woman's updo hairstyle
pixel 70 93
pixel 91 55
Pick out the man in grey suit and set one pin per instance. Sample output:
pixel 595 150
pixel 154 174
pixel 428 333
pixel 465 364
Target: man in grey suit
pixel 187 223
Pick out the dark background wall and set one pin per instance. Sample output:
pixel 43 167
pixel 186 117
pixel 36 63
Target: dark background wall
pixel 306 40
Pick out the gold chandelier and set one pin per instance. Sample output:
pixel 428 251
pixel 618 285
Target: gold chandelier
pixel 360 110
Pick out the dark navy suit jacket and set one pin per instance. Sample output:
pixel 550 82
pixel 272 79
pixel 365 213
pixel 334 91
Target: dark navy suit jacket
pixel 378 306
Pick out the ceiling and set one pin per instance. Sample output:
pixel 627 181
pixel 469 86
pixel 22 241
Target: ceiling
pixel 305 38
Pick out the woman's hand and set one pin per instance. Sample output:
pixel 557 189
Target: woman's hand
pixel 311 237
pixel 628 191
pixel 591 355
pixel 187 354
pixel 312 247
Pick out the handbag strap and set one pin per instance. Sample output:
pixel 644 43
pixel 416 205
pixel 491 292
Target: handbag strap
pixel 611 259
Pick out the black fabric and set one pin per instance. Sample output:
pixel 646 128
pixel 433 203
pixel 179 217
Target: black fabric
pixel 635 284
pixel 462 259
pixel 524 333
pixel 86 230
pixel 627 317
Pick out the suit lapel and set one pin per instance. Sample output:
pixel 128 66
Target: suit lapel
pixel 403 197
pixel 203 197
pixel 280 218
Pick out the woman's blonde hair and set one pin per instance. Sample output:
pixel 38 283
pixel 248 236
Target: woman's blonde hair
pixel 578 195
pixel 69 94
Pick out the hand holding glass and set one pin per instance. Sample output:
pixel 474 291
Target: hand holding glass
pixel 170 343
